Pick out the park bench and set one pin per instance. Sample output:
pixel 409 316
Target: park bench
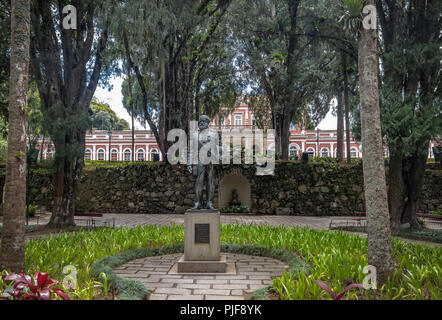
pixel 429 218
pixel 92 221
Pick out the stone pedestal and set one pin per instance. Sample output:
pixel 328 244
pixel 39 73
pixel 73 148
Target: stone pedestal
pixel 202 243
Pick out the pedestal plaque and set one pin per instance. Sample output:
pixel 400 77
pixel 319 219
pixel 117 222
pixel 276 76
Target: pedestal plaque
pixel 202 233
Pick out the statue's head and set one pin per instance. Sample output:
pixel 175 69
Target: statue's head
pixel 203 122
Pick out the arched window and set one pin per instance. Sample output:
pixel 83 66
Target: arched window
pixel 88 155
pixel 294 151
pixel 353 153
pixel 101 155
pixel 154 155
pixel 114 155
pixel 325 153
pixel 127 155
pixel 238 120
pixel 140 155
pixel 311 152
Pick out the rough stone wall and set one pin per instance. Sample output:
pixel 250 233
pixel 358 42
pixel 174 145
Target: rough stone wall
pixel 313 189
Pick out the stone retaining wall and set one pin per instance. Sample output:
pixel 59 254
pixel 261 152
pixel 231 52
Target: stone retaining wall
pixel 155 188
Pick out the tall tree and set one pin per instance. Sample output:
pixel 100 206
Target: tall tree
pixel 67 64
pixel 104 118
pixel 5 44
pixel 346 101
pixel 340 127
pixel 12 254
pixel 410 98
pixel 169 47
pixel 380 252
pixel 280 60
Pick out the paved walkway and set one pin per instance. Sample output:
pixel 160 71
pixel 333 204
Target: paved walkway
pixel 252 273
pixel 132 220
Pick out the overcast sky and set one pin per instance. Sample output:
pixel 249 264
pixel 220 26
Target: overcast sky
pixel 114 99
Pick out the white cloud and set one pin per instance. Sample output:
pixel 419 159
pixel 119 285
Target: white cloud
pixel 114 99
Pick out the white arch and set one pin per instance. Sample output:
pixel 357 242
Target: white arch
pixel 311 151
pixel 101 151
pixel 114 151
pixel 294 149
pixel 152 152
pixel 355 150
pixel 138 153
pixel 127 152
pixel 88 151
pixel 323 150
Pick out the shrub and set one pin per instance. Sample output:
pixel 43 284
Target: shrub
pixel 235 209
pixel 24 287
pixel 32 210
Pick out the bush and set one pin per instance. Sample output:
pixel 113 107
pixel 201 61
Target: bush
pixel 235 209
pixel 32 210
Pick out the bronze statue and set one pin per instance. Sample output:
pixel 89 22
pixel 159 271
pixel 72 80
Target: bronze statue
pixel 205 173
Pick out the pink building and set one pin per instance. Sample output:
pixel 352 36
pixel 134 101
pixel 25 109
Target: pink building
pixel 321 143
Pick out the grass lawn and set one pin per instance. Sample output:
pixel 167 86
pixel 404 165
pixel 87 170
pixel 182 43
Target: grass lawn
pixel 336 258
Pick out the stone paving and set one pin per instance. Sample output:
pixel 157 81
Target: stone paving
pixel 133 220
pixel 253 273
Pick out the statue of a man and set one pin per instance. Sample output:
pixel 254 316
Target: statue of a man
pixel 205 174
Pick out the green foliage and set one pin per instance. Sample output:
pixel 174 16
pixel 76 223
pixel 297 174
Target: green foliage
pixel 236 209
pixel 5 39
pixel 411 114
pixel 3 149
pixel 32 210
pixel 104 118
pixel 333 257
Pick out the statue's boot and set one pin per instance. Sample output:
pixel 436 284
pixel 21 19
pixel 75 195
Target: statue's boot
pixel 210 206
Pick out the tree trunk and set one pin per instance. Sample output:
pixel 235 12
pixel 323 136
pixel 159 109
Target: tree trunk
pixel 340 133
pixel 133 134
pixel 415 180
pixel 277 127
pixel 285 135
pixel 380 252
pixel 396 189
pixel 64 198
pixel 346 107
pixel 12 254
pixel 132 107
pixel 42 147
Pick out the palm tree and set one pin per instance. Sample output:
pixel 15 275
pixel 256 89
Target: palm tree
pixel 380 252
pixel 12 255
